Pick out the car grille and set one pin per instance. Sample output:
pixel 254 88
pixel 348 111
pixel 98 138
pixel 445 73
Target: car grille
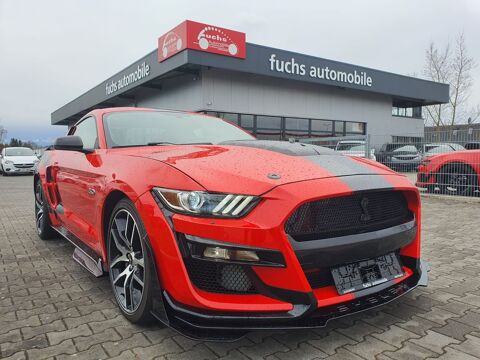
pixel 348 215
pixel 23 166
pixel 219 277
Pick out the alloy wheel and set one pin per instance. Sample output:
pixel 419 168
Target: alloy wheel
pixel 39 213
pixel 126 261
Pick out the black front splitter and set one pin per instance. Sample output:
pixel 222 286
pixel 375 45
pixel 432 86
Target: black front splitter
pixel 214 326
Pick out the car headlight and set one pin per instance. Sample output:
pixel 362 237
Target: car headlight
pixel 8 162
pixel 202 203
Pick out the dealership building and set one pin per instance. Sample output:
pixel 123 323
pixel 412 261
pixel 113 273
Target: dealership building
pixel 272 93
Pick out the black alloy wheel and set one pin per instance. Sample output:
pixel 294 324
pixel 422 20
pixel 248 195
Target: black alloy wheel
pixel 129 263
pixel 42 219
pixel 458 180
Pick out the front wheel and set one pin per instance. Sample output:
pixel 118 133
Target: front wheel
pixel 42 218
pixel 457 180
pixel 130 263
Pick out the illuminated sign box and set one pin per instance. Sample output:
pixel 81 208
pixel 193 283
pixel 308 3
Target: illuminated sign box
pixel 202 37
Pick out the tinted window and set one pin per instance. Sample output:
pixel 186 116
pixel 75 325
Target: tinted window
pixel 269 122
pixel 322 126
pixel 247 120
pixel 87 130
pixel 137 128
pixel 296 124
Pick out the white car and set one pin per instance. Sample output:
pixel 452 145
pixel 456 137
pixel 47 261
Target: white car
pixel 17 160
pixel 354 148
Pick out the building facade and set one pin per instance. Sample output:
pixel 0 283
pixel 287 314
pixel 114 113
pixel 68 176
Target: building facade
pixel 273 93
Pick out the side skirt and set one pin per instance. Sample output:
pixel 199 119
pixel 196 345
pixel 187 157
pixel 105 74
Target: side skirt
pixel 83 254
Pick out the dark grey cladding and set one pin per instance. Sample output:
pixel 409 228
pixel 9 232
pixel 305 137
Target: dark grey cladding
pixel 284 147
pixel 356 175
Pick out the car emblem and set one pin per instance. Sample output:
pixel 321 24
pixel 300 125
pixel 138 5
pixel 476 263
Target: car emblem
pixel 274 176
pixel 365 214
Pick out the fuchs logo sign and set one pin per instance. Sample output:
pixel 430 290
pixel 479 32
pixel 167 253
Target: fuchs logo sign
pixel 202 37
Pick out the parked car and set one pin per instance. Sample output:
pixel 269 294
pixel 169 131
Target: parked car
pixel 354 148
pixel 17 160
pixel 216 233
pixel 455 173
pixel 474 145
pixel 400 157
pixel 441 148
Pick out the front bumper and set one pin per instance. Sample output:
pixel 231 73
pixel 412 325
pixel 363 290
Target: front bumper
pixel 12 169
pixel 230 326
pixel 286 297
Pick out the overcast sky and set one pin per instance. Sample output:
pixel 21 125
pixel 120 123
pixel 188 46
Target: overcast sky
pixel 51 51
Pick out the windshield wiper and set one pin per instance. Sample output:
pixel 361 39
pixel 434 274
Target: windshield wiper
pixel 159 143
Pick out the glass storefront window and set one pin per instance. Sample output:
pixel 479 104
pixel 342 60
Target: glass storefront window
pixel 246 120
pixel 229 116
pixel 355 128
pixel 339 128
pixel 323 126
pixel 283 128
pixel 269 122
pixel 296 124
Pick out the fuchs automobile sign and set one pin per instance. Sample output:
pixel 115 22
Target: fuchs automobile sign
pixel 202 37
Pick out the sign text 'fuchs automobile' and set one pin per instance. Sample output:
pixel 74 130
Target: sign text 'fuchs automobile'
pixel 202 37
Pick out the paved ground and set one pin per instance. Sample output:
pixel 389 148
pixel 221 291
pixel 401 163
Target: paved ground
pixel 50 307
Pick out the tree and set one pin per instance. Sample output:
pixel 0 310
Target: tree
pixel 3 134
pixel 453 68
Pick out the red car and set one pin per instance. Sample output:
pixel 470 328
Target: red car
pixel 215 233
pixel 454 173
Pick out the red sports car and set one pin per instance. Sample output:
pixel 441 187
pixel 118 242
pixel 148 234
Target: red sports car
pixel 215 233
pixel 454 173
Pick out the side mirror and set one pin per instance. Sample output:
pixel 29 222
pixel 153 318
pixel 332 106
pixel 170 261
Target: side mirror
pixel 70 143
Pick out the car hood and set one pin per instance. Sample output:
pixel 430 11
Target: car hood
pixel 21 159
pixel 254 167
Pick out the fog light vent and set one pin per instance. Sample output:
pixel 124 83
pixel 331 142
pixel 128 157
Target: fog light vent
pixel 232 277
pixel 219 278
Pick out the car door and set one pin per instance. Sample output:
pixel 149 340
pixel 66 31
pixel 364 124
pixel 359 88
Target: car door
pixel 79 181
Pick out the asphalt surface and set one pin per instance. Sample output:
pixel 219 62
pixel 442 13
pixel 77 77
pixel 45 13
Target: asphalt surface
pixel 51 308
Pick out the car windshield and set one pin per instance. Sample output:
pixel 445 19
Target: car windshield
pixel 406 149
pixel 438 149
pixel 350 147
pixel 139 128
pixel 19 152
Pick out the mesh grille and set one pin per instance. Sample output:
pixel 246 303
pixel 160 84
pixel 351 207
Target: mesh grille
pixel 219 277
pixel 347 215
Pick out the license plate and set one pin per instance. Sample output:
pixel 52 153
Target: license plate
pixel 367 273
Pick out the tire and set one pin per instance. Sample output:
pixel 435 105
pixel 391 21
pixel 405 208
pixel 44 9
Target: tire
pixel 457 179
pixel 42 219
pixel 130 263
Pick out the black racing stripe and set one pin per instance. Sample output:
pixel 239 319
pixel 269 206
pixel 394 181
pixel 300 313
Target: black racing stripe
pixel 283 147
pixel 353 173
pixel 366 182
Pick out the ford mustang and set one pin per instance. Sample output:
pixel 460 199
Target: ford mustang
pixel 454 173
pixel 215 233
